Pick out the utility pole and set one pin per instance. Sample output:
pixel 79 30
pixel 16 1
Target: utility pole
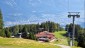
pixel 73 15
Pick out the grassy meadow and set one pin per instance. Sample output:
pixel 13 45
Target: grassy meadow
pixel 23 43
pixel 26 43
pixel 61 38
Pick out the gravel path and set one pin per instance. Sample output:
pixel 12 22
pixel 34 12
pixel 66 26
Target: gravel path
pixel 63 46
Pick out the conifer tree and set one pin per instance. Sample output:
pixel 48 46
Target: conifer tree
pixel 2 34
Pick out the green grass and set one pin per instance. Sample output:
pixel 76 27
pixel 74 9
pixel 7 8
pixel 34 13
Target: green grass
pixel 26 43
pixel 61 38
pixel 60 34
pixel 23 43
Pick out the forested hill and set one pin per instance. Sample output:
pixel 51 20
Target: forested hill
pixel 32 28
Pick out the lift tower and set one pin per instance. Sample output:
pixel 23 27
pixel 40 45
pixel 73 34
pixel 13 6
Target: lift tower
pixel 73 15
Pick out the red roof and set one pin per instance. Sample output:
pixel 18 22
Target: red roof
pixel 45 34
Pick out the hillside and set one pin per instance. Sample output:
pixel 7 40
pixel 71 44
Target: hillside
pixel 62 39
pixel 26 43
pixel 23 43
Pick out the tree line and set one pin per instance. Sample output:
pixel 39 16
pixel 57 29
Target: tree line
pixel 32 29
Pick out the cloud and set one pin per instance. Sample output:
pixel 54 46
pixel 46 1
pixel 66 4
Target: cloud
pixel 34 11
pixel 60 18
pixel 15 14
pixel 10 2
pixel 40 1
pixel 55 17
pixel 34 3
pixel 21 22
pixel 11 23
pixel 50 11
pixel 47 16
pixel 34 18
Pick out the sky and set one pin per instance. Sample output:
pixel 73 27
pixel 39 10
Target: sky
pixel 17 12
